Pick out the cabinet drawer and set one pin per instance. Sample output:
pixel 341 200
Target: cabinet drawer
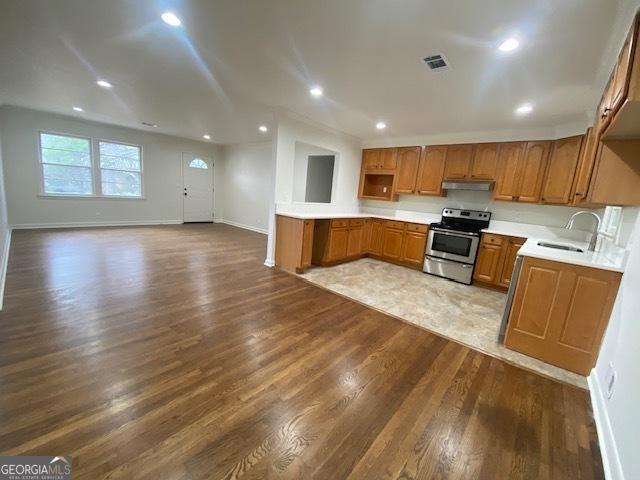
pixel 395 225
pixel 339 223
pixel 417 227
pixel 492 239
pixel 356 222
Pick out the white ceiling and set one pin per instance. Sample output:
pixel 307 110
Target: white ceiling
pixel 233 61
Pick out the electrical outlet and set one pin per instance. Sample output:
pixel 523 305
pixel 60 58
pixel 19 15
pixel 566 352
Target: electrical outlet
pixel 384 189
pixel 611 380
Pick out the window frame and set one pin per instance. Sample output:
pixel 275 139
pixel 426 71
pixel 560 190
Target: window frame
pixel 96 170
pixel 41 166
pixel 99 169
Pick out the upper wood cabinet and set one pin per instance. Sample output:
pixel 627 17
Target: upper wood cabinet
pixel 560 312
pixel 509 170
pixel 431 170
pixel 379 159
pixel 532 170
pixel 622 97
pixel 561 170
pixel 485 161
pixel 458 162
pixel 407 172
pixel 389 158
pixel 584 170
pixel 371 158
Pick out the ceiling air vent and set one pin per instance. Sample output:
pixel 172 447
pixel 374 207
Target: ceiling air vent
pixel 437 63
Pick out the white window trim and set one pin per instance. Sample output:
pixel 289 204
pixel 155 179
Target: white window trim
pixel 96 171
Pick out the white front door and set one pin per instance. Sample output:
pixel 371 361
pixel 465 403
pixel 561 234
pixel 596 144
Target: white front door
pixel 197 175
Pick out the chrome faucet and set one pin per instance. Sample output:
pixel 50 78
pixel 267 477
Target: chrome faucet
pixel 594 236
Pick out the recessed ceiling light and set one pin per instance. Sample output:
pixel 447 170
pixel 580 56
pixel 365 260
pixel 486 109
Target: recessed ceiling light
pixel 381 125
pixel 524 109
pixel 171 18
pixel 78 109
pixel 104 84
pixel 206 136
pixel 509 45
pixel 316 92
pixel 263 128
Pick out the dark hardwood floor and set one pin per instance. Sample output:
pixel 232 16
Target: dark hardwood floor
pixel 172 352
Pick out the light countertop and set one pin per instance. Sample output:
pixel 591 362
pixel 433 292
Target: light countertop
pixel 610 258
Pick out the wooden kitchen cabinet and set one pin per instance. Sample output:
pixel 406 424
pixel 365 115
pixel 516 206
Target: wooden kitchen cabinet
pixel 560 174
pixel 379 159
pixel 407 173
pixel 354 241
pixel 458 161
pixel 375 236
pixel 509 254
pixel 338 240
pixel 392 243
pixel 621 108
pixel 496 259
pixel 337 244
pixel 431 170
pixel 560 311
pixel 532 170
pixel 485 161
pixel 584 170
pixel 488 263
pixel 294 243
pixel 414 245
pixel 389 159
pixel 509 166
pixel 371 158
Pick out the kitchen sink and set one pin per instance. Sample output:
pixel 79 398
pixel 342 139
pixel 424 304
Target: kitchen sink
pixel 560 246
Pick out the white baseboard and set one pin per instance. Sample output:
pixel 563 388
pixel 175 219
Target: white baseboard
pixel 134 223
pixel 242 225
pixel 608 449
pixel 269 263
pixel 4 263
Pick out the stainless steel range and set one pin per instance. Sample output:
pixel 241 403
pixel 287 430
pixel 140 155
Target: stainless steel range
pixel 452 245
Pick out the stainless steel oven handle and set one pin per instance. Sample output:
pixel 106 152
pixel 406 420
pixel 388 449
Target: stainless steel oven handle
pixel 438 260
pixel 456 234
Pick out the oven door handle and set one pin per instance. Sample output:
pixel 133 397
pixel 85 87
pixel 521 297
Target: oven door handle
pixel 439 260
pixel 456 234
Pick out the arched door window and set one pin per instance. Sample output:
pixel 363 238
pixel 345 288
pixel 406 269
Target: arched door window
pixel 198 163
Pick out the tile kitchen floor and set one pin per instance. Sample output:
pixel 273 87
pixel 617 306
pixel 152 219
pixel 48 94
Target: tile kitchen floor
pixel 464 313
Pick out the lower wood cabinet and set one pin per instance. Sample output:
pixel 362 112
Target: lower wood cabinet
pixel 392 243
pixel 496 258
pixel 338 240
pixel 413 248
pixel 560 312
pixel 337 244
pixel 294 243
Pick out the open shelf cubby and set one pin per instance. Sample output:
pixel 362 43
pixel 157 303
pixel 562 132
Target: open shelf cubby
pixel 377 186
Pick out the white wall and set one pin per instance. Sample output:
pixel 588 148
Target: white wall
pixel 162 175
pixel 300 167
pixel 348 148
pixel 5 233
pixel 617 417
pixel 287 132
pixel 246 174
pixel 548 215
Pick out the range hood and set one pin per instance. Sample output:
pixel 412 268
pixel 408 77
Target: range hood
pixel 467 185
